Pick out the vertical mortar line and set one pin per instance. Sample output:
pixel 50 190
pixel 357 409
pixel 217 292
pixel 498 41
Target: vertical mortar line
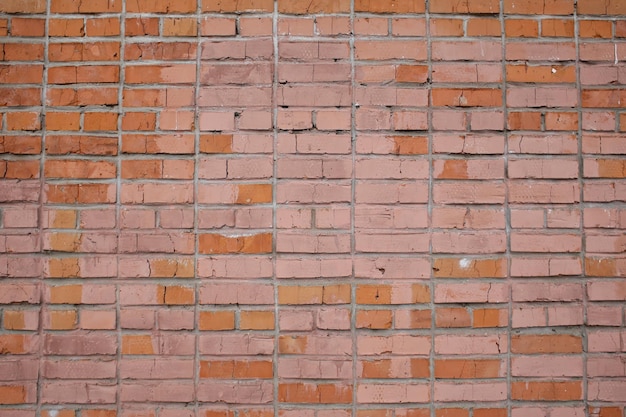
pixel 581 205
pixel 118 201
pixel 429 115
pixel 507 211
pixel 353 332
pixel 196 159
pixel 40 209
pixel 274 200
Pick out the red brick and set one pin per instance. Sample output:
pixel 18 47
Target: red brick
pixel 23 121
pixel 27 27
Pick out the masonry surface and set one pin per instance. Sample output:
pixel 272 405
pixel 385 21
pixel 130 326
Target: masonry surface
pixel 320 208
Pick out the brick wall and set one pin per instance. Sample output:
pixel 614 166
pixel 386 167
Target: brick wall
pixel 312 208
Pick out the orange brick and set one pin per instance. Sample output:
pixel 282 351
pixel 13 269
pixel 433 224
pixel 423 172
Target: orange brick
pixel 137 345
pixel 66 27
pixel 524 121
pixel 538 7
pixel 63 267
pixel 161 6
pixel 62 121
pixel 98 413
pixel 216 320
pixel 595 29
pixel 28 27
pixel 314 393
pixel 254 193
pixel 489 317
pixel 465 6
pixel 66 294
pixel 410 145
pixel 374 319
pixel 73 52
pixel 13 320
pixel 78 6
pixel 602 7
pixel 541 74
pixel 20 169
pixel 521 28
pixel 58 168
pixel 12 394
pixel 256 320
pixel 23 121
pixel 175 295
pixel 446 27
pixel 308 7
pixel 559 28
pixel 180 26
pixel 63 319
pixel 23 6
pixel 100 121
pixel 108 26
pixel 490 412
pixel 389 6
pixel 139 121
pixel 172 268
pixel 373 294
pixel 238 6
pixel 238 369
pixel 484 27
pixel 474 268
pixel 12 344
pixel 141 26
pixel 452 412
pixel 411 73
pixel 215 243
pixel 216 143
pixel 611 168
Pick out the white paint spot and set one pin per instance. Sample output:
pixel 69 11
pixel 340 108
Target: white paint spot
pixel 553 70
pixel 53 413
pixel 465 263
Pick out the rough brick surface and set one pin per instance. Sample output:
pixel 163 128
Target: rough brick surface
pixel 312 208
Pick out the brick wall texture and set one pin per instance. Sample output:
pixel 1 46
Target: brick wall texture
pixel 312 208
